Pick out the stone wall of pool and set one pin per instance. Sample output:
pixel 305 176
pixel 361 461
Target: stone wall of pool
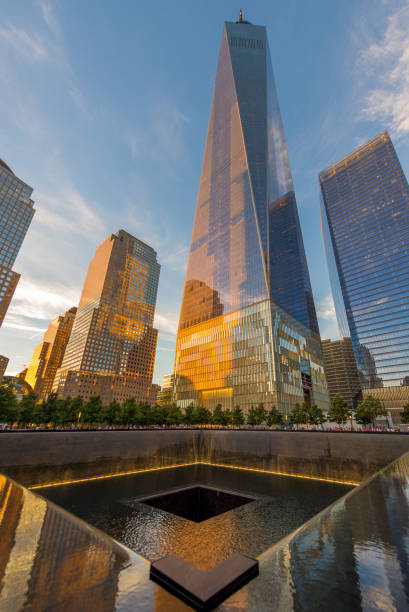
pixel 38 458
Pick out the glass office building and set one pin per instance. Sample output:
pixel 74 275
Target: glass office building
pixel 248 330
pixel 48 355
pixel 112 346
pixel 364 201
pixel 16 212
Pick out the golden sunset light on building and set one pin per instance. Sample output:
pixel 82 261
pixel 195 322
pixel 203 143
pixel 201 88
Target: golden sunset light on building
pixel 111 350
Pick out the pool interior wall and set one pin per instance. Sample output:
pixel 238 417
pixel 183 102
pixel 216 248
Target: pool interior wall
pixel 36 458
pixel 280 505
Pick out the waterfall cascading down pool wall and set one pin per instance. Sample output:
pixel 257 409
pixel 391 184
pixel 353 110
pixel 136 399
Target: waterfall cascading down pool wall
pixel 353 555
pixel 40 458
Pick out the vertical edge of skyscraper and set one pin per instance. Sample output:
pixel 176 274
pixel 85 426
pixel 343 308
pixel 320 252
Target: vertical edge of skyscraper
pixel 112 346
pixel 364 205
pixel 248 331
pixel 16 212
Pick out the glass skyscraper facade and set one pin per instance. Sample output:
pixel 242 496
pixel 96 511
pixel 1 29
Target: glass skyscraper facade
pixel 112 346
pixel 16 212
pixel 248 330
pixel 364 201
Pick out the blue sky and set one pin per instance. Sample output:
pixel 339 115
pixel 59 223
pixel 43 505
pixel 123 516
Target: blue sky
pixel 104 109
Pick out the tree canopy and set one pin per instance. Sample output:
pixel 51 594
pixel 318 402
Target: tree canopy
pixel 339 411
pixel 368 410
pixel 404 415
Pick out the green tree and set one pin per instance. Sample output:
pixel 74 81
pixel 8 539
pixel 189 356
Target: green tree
pixel 217 416
pixel 274 417
pixel 65 412
pixel 49 409
pixel 76 408
pixel 92 410
pixel 190 415
pixel 226 417
pixel 368 410
pixel 203 416
pixel 260 414
pixel 160 414
pixel 299 414
pixel 129 412
pixel 8 405
pixel 252 417
pixel 315 415
pixel 237 417
pixel 26 408
pixel 147 414
pixel 339 411
pixel 174 415
pixel 404 416
pixel 111 413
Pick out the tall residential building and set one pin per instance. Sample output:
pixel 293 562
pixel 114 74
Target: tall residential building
pixel 248 330
pixel 16 212
pixel 111 350
pixel 48 355
pixel 364 201
pixel 341 370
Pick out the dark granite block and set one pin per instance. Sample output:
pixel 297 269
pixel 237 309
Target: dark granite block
pixel 203 590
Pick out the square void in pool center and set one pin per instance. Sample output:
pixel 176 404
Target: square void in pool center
pixel 197 503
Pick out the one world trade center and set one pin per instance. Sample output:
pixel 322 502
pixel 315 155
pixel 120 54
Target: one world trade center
pixel 248 331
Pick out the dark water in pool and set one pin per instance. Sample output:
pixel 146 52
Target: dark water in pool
pixel 282 504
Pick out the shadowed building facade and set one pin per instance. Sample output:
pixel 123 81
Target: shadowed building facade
pixel 364 201
pixel 248 330
pixel 111 350
pixel 341 371
pixel 48 355
pixel 16 212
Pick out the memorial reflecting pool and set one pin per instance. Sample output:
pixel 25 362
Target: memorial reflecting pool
pixel 276 505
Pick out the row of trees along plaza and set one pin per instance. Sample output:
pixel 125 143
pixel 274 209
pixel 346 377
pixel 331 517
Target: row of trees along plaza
pixel 31 411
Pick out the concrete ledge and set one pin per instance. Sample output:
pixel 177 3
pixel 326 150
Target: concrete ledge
pixel 203 590
pixel 40 458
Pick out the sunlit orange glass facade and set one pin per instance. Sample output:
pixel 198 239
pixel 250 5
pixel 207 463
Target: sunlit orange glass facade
pixel 248 330
pixel 48 355
pixel 111 350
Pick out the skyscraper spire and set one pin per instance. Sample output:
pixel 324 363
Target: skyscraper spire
pixel 241 20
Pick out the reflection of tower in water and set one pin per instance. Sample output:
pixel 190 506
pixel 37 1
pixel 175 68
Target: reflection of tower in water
pixel 49 559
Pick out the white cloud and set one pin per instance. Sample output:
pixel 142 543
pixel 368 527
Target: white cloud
pixel 62 207
pixel 50 18
pixel 327 318
pixel 157 230
pixel 326 308
pixel 388 61
pixel 166 322
pixel 13 325
pixel 29 45
pixel 163 138
pixel 39 301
